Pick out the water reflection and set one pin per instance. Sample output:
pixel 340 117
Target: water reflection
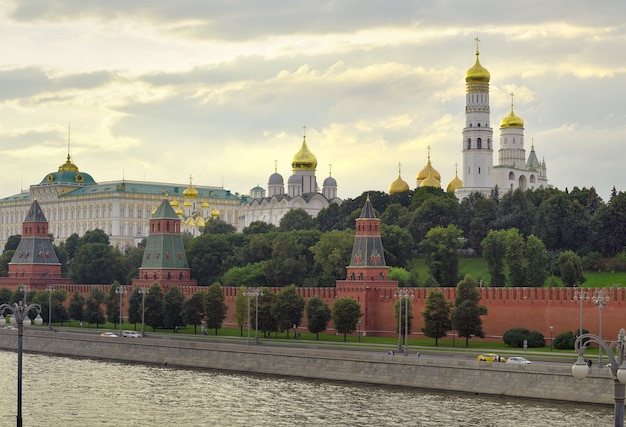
pixel 71 392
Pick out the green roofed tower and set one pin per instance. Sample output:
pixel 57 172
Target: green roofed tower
pixel 164 259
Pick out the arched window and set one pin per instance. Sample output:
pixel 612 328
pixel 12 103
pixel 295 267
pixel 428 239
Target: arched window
pixel 469 143
pixel 479 143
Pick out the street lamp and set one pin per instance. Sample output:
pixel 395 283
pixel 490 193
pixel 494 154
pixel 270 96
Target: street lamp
pixel 406 294
pixel 19 315
pixel 580 370
pixel 359 330
pixel 551 329
pixel 581 296
pixel 143 292
pixel 50 289
pixel 253 293
pixel 120 291
pixel 601 300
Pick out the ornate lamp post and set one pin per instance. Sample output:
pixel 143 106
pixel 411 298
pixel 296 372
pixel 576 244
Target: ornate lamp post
pixel 601 300
pixel 551 329
pixel 581 296
pixel 406 294
pixel 617 367
pixel 19 315
pixel 253 293
pixel 50 289
pixel 120 291
pixel 143 293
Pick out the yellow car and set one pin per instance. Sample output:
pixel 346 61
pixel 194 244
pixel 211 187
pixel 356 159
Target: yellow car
pixel 491 357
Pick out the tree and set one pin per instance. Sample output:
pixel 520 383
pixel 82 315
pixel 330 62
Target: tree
pixel 132 261
pixel 562 223
pixel 330 218
pixel 172 308
pixel 71 245
pixel 214 307
pixel 571 269
pixel 113 303
pixel 494 249
pixel 267 322
pixel 288 308
pixel 288 263
pixel 397 243
pixel 5 295
pixel 441 246
pixel 345 315
pixel 217 226
pixel 515 338
pixel 466 313
pixel 515 257
pixel 154 307
pixel 12 242
pixel 436 316
pixel 193 311
pixel 5 259
pixel 94 236
pixel 434 211
pixel 537 259
pixel 318 315
pixel 76 307
pixel 332 254
pixel 134 306
pixel 516 210
pixel 258 227
pixel 93 310
pixel 296 219
pixel 207 255
pixel 96 263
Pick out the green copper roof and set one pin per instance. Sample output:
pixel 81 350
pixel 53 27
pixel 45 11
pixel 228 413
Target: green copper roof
pixel 165 210
pixel 164 251
pixel 68 177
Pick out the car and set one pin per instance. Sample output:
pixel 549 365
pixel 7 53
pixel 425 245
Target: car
pixel 10 327
pixel 490 357
pixel 108 334
pixel 518 360
pixel 131 334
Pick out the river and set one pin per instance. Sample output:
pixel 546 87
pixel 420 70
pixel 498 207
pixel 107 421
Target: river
pixel 60 391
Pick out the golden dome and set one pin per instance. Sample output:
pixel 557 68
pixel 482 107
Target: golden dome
pixel 187 204
pixel 512 121
pixel 205 204
pixel 478 73
pixel 215 213
pixel 174 203
pixel 200 222
pixel 153 210
pixel 455 184
pixel 179 212
pixel 68 166
pixel 431 181
pixel 427 171
pixel 399 185
pixel 190 222
pixel 190 192
pixel 304 159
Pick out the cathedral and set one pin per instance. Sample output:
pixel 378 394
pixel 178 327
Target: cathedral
pixel 302 192
pixel 514 169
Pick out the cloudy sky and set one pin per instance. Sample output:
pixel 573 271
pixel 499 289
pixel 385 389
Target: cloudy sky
pixel 162 90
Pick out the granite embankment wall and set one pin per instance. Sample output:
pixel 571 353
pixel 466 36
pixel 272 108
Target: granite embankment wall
pixel 554 382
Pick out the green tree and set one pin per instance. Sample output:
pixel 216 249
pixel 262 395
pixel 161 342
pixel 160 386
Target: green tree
pixel 397 243
pixel 5 259
pixel 132 261
pixel 5 295
pixel 172 308
pixel 515 255
pixel 433 212
pixel 77 306
pixel 318 315
pixel 332 254
pixel 608 225
pixel 441 246
pixel 288 263
pixel 217 226
pixel 494 249
pixel 214 307
pixel 96 263
pixel 345 315
pixel 207 255
pixel 330 218
pixel 476 214
pixel 396 214
pixel 562 223
pixel 154 307
pixel 258 227
pixel 94 236
pixel 516 210
pixel 113 303
pixel 267 322
pixel 248 276
pixel 193 310
pixel 134 306
pixel 241 309
pixel 467 311
pixel 296 219
pixel 537 259
pixel 71 245
pixel 93 306
pixel 436 316
pixel 571 269
pixel 288 308
pixel 12 242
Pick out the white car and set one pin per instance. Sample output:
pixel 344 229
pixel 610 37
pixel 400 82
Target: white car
pixel 131 334
pixel 108 334
pixel 518 360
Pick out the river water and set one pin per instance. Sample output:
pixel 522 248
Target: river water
pixel 60 391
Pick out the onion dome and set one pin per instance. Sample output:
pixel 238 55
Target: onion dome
pixel 478 73
pixel 179 211
pixel 304 159
pixel 187 204
pixel 399 185
pixel 455 184
pixel 215 213
pixel 190 192
pixel 190 222
pixel 431 181
pixel 205 204
pixel 427 171
pixel 512 121
pixel 174 203
pixel 200 222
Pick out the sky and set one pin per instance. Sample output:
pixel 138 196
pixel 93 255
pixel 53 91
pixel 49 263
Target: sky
pixel 222 91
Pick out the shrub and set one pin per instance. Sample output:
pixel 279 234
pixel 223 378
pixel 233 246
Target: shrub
pixel 566 340
pixel 515 338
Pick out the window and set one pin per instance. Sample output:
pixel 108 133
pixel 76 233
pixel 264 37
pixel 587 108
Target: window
pixel 479 143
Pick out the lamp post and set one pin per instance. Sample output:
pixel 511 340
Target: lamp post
pixel 406 294
pixel 551 329
pixel 581 296
pixel 580 370
pixel 50 289
pixel 143 293
pixel 19 316
pixel 253 293
pixel 359 330
pixel 120 291
pixel 601 300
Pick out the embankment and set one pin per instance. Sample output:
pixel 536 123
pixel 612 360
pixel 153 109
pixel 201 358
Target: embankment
pixel 554 382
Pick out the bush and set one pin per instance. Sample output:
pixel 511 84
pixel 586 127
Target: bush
pixel 566 340
pixel 515 338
